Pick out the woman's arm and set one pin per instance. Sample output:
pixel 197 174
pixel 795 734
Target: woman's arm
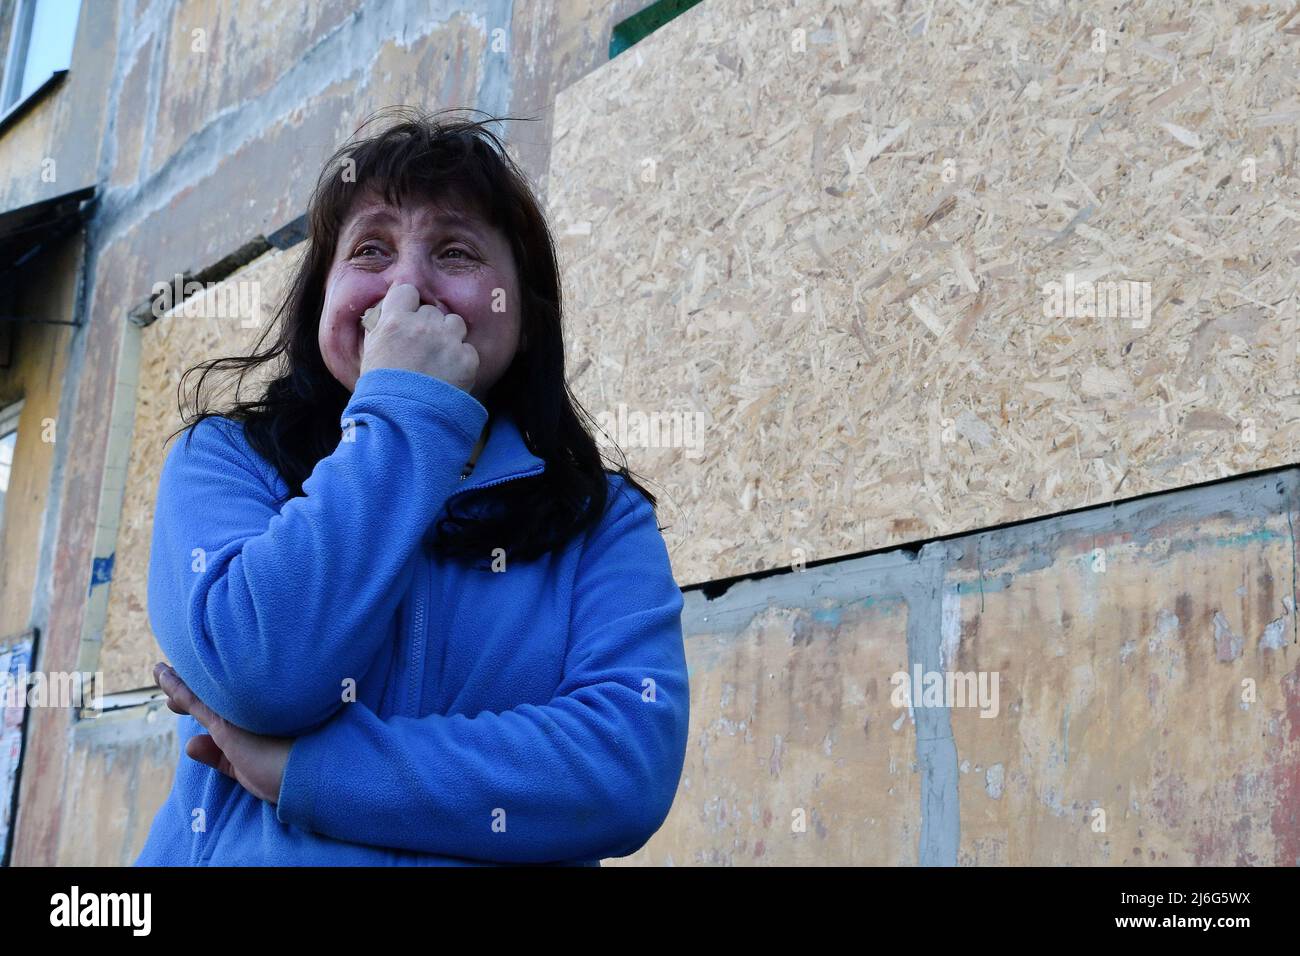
pixel 265 614
pixel 591 774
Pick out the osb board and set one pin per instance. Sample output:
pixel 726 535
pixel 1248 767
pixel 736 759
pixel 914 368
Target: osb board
pixel 1159 686
pixel 914 176
pixel 169 347
pixel 796 755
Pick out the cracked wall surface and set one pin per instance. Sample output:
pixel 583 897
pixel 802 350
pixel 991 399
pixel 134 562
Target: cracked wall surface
pixel 1144 652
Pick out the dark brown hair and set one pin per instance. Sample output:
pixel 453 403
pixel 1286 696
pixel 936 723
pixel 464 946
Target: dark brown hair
pixel 296 421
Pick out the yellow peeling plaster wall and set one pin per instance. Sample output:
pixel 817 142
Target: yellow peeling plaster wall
pixel 35 375
pixel 828 229
pixel 1149 713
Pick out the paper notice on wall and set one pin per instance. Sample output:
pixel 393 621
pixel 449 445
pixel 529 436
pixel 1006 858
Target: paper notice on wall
pixel 15 664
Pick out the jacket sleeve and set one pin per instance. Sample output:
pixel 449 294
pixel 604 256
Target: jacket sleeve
pixel 265 610
pixel 590 774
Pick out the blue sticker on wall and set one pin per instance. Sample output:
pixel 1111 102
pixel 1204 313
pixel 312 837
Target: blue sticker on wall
pixel 101 572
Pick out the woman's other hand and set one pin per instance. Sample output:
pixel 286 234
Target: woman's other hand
pixel 255 761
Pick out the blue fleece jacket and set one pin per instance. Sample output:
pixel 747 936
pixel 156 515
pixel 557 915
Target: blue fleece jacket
pixel 444 712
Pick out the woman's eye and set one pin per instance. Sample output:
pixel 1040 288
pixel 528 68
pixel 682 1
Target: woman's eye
pixel 371 247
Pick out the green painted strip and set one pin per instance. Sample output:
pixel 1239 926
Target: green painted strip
pixel 640 25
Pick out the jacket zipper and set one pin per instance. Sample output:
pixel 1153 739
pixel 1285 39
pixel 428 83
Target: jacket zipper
pixel 417 641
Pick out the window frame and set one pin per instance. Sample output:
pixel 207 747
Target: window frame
pixel 20 39
pixel 9 417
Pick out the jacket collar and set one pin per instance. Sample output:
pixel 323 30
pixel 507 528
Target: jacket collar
pixel 504 456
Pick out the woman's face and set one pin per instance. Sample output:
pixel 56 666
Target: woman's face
pixel 456 261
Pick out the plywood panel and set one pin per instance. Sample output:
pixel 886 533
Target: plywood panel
pixel 832 235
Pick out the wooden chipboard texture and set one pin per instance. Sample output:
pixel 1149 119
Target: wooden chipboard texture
pixel 830 232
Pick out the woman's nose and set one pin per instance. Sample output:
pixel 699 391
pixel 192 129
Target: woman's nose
pixel 410 271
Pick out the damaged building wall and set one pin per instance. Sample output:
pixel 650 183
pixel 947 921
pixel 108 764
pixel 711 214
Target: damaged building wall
pixel 1136 697
pixel 208 114
pixel 827 432
pixel 912 272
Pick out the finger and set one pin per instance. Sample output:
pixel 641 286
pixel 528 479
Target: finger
pixel 178 691
pixel 403 297
pixel 204 749
pixel 456 324
pixel 175 706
